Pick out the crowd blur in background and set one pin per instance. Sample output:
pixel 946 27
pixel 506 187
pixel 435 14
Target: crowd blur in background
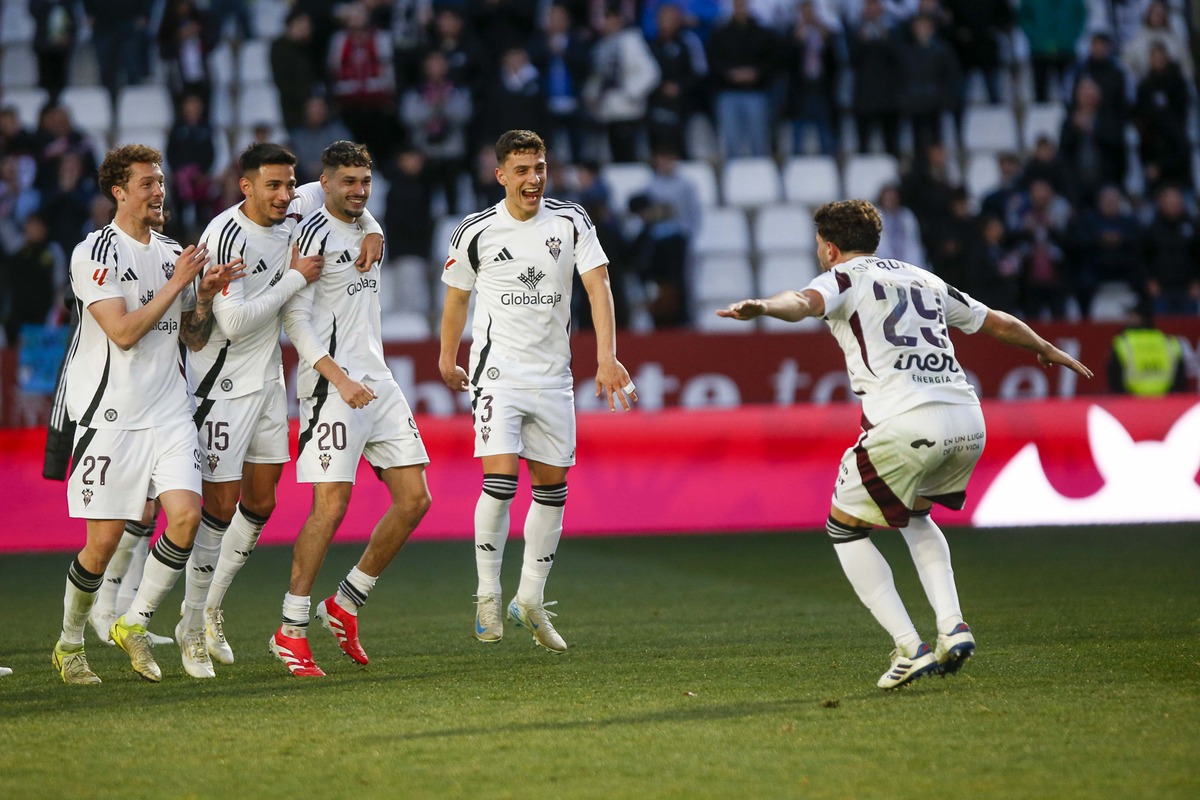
pixel 1039 155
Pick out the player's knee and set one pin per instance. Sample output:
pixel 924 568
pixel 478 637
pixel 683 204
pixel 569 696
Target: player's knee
pixel 258 508
pixel 414 505
pixel 840 533
pixel 186 517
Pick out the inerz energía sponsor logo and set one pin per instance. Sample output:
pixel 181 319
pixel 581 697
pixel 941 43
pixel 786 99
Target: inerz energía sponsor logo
pixel 932 362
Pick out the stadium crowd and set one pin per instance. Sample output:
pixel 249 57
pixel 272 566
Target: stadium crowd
pixel 1107 199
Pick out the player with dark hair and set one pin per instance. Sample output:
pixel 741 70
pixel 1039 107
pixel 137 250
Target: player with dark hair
pixel 922 426
pixel 520 255
pixel 134 437
pixel 350 407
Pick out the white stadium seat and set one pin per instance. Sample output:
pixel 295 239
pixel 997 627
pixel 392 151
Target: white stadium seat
pixel 141 106
pixel 221 65
pixel 1042 119
pixel 441 239
pixel 257 103
pixel 750 182
pixel 28 103
pixel 268 17
pixel 152 136
pixel 990 129
pixel 16 23
pixel 18 67
pixel 867 173
pixel 90 107
pixel 724 231
pixel 701 173
pixel 785 270
pixel 254 62
pixel 811 180
pixel 783 228
pixel 983 176
pixel 725 276
pixel 404 326
pixel 624 181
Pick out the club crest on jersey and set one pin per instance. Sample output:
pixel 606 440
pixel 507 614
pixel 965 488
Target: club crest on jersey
pixel 485 433
pixel 554 245
pixel 531 278
pixel 213 460
pixel 87 497
pixel 325 459
pixel 168 269
pixel 227 385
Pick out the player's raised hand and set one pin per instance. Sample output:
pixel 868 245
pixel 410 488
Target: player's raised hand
pixel 355 394
pixel 190 263
pixel 613 381
pixel 1056 356
pixel 455 377
pixel 220 276
pixel 309 266
pixel 744 310
pixel 371 252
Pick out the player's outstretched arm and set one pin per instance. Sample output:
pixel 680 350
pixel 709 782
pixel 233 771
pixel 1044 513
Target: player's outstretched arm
pixel 790 306
pixel 1006 328
pixel 612 379
pixel 454 322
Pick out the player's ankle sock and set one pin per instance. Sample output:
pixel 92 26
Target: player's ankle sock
pixel 236 546
pixel 163 568
pixel 114 575
pixel 353 590
pixel 491 529
pixel 137 563
pixel 78 600
pixel 931 555
pixel 543 529
pixel 296 615
pixel 871 578
pixel 201 565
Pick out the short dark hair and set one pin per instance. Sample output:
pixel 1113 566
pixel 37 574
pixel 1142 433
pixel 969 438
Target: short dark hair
pixel 853 225
pixel 345 154
pixel 117 167
pixel 261 154
pixel 519 141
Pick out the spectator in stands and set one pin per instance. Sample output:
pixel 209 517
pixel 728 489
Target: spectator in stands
pixel 18 199
pixel 1002 201
pixel 1044 163
pixel 658 252
pixel 562 54
pixel 508 24
pixel 514 97
pixel 611 238
pixel 976 28
pixel 623 75
pixel 186 36
pixel 67 204
pixel 408 220
pixel 742 55
pixel 408 24
pixel 33 279
pixel 15 138
pixel 1171 256
pixel 955 240
pixel 926 188
pixel 1040 240
pixel 1145 361
pixel 467 58
pixel 675 193
pixel 53 42
pixel 1156 29
pixel 993 269
pixel 488 190
pixel 681 60
pixel 436 113
pixel 1101 65
pixel 238 11
pixel 309 140
pixel 191 151
pixel 811 54
pixel 875 60
pixel 363 81
pixel 1091 145
pixel 55 137
pixel 120 33
pixel 1161 117
pixel 590 190
pixel 931 82
pixel 296 75
pixel 1052 29
pixel 1105 246
pixel 901 235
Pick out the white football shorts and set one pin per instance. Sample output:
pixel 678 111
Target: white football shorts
pixel 929 451
pixel 536 424
pixel 252 428
pixel 114 471
pixel 333 436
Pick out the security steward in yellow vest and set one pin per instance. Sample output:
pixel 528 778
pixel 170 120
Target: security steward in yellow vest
pixel 1145 361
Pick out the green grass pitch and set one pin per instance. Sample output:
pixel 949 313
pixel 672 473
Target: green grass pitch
pixel 700 667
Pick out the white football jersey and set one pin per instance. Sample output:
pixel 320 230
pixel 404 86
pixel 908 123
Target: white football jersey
pixel 891 319
pixel 141 387
pixel 523 273
pixel 243 350
pixel 339 315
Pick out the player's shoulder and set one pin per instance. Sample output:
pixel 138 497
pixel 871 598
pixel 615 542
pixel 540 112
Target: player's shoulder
pixel 166 241
pixel 315 225
pixel 99 246
pixel 475 223
pixel 565 208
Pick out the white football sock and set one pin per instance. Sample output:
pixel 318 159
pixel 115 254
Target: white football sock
pixel 491 530
pixel 871 578
pixel 296 615
pixel 137 563
pixel 200 567
pixel 931 554
pixel 163 568
pixel 78 600
pixel 114 575
pixel 236 546
pixel 353 590
pixel 543 529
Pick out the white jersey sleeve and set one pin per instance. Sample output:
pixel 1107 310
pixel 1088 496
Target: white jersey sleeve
pixel 299 327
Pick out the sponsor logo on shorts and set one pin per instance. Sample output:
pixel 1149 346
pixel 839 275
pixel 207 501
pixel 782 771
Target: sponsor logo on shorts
pixel 110 414
pixel 493 373
pixel 226 385
pixel 87 497
pixel 919 443
pixel 325 459
pixel 485 433
pixel 213 460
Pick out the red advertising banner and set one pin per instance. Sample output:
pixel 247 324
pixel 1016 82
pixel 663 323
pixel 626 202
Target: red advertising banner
pixel 1069 462
pixel 711 371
